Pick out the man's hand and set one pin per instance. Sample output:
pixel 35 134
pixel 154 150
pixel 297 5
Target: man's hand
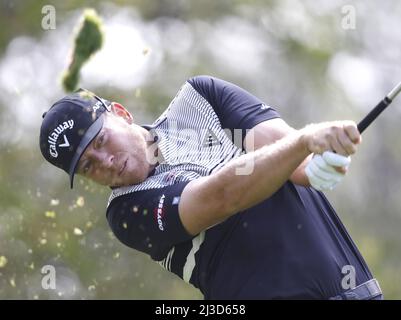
pixel 338 136
pixel 322 173
pixel 332 143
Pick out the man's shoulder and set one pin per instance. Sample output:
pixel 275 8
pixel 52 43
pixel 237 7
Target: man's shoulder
pixel 118 196
pixel 153 186
pixel 205 85
pixel 202 79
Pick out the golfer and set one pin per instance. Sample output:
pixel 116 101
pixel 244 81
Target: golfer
pixel 219 190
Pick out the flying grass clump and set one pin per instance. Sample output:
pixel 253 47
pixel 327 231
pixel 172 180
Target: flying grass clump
pixel 88 40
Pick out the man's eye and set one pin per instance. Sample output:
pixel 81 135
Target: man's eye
pixel 100 140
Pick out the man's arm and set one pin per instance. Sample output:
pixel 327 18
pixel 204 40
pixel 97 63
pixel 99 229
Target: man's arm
pixel 268 132
pixel 210 200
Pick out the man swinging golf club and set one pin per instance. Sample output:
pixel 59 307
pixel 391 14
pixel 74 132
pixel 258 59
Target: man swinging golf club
pixel 219 190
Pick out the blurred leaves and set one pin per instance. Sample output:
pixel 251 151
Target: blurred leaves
pixel 88 40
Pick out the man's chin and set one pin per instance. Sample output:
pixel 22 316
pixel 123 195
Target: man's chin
pixel 127 183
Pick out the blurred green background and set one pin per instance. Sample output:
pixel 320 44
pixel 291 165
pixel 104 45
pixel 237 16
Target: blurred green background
pixel 305 58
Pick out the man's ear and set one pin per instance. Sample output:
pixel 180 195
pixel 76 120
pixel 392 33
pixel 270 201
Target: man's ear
pixel 118 110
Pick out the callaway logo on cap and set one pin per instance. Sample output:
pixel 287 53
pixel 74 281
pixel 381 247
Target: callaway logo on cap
pixel 69 127
pixel 53 137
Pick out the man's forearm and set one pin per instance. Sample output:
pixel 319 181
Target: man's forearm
pixel 268 132
pixel 272 166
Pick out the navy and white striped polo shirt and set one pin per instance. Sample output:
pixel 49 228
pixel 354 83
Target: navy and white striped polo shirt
pixel 290 245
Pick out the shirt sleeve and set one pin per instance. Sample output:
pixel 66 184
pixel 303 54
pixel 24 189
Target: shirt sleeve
pixel 235 107
pixel 148 220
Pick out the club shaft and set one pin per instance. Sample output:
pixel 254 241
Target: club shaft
pixel 393 93
pixel 381 106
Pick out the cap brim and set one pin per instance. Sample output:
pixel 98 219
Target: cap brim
pixel 90 134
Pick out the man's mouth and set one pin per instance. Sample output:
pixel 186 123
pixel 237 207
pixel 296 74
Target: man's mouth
pixel 123 167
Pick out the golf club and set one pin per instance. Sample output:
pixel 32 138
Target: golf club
pixel 372 115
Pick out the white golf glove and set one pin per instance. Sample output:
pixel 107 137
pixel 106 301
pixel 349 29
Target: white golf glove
pixel 321 172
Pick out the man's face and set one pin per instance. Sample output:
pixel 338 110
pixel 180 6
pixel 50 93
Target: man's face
pixel 117 155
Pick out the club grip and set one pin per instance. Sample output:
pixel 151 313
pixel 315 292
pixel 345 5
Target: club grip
pixel 372 115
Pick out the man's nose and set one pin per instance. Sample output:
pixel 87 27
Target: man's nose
pixel 108 161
